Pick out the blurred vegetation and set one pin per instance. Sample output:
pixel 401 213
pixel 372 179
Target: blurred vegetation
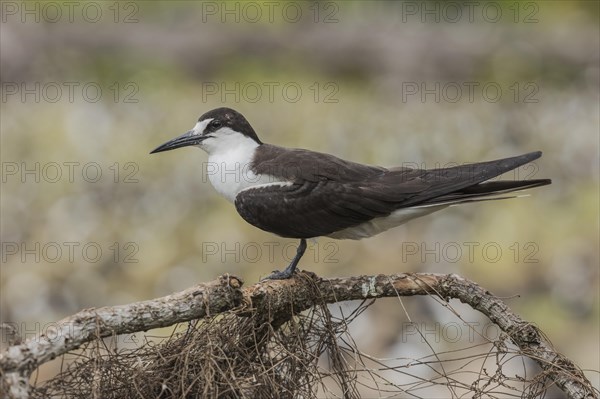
pixel 156 68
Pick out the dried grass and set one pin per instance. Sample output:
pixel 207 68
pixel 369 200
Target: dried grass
pixel 238 355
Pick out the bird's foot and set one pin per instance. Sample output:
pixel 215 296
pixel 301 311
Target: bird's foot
pixel 277 275
pixel 289 271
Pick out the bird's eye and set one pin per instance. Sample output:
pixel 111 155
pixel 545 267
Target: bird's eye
pixel 215 124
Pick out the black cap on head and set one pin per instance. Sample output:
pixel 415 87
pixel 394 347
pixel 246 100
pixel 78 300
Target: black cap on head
pixel 221 118
pixel 227 117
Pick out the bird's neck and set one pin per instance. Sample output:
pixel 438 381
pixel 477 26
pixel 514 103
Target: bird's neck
pixel 229 168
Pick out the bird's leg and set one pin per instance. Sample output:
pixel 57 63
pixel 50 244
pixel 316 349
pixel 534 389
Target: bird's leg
pixel 287 273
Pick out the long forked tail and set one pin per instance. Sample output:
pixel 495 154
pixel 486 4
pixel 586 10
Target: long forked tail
pixel 488 191
pixel 481 189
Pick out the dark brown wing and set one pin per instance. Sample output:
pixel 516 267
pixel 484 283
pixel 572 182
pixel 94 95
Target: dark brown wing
pixel 299 166
pixel 322 200
pixel 460 180
pixel 310 209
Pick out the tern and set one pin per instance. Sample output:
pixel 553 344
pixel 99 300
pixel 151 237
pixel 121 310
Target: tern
pixel 303 194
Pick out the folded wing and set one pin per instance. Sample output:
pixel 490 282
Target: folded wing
pixel 329 194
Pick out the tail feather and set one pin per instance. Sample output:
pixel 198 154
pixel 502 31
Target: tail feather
pixel 463 180
pixel 487 191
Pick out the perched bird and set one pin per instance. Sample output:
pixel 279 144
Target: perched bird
pixel 303 194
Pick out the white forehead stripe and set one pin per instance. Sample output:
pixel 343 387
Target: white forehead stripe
pixel 201 125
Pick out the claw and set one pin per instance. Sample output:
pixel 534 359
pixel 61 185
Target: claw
pixel 277 275
pixel 289 271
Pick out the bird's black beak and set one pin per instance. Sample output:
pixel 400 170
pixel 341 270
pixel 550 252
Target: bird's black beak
pixel 186 139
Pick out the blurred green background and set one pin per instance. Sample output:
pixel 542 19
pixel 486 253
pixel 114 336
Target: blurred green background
pixel 89 218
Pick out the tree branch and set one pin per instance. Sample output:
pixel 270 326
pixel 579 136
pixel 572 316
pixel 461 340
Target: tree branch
pixel 276 302
pixel 89 324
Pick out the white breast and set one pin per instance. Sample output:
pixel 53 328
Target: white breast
pixel 229 164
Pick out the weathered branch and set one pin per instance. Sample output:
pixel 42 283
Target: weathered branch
pixel 276 302
pixel 68 334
